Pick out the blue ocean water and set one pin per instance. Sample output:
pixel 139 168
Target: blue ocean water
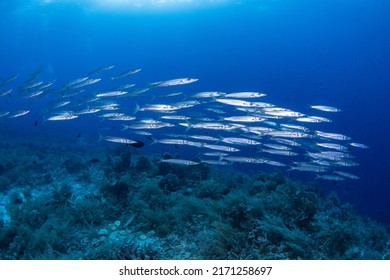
pixel 299 53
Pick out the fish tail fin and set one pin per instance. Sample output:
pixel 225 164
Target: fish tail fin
pixel 100 137
pixel 317 148
pixel 125 127
pixel 136 109
pixel 154 141
pixel 189 126
pixel 45 113
pixel 154 84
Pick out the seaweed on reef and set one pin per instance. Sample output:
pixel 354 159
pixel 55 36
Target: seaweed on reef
pixel 222 241
pixel 74 165
pixel 123 163
pixel 38 224
pixel 48 226
pixel 2 169
pixel 210 189
pixel 170 183
pixel 5 183
pixel 91 212
pixel 143 164
pixel 117 192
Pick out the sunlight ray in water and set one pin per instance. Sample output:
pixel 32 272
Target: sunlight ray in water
pixel 142 4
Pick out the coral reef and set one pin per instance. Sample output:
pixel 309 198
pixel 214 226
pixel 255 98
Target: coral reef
pixel 106 203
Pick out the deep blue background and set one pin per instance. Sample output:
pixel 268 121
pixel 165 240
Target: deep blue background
pixel 298 52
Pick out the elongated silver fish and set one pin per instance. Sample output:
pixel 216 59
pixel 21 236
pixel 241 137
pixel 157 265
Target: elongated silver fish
pixel 186 104
pixel 175 82
pixel 75 82
pixel 312 119
pixel 32 85
pixel 120 140
pixel 245 94
pixel 63 117
pixel 325 108
pixel 285 113
pixel 330 177
pixel 125 74
pixel 18 113
pixel 334 136
pixel 3 114
pixel 217 111
pixel 317 169
pixel 87 111
pixel 179 161
pixel 279 152
pixel 243 103
pixel 207 94
pixel 286 142
pixel 148 125
pixel 359 145
pixel 239 141
pixel 111 93
pixel 9 80
pixel 346 175
pixel 276 146
pixel 221 148
pixel 294 127
pixel 121 118
pixel 325 156
pixel 175 117
pixel 204 137
pixel 244 119
pixel 60 104
pixel 86 82
pixel 288 134
pixel 159 107
pixel 171 94
pixel 334 146
pixel 244 159
pixel 215 154
pixel 6 92
pixel 111 115
pixel 273 162
pixel 178 142
pixel 215 162
pixel 124 87
pixel 211 125
pixel 100 70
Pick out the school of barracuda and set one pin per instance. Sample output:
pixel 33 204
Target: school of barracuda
pixel 219 125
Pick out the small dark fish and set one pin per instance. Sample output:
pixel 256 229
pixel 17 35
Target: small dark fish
pixel 78 135
pixel 138 144
pixel 36 123
pixel 94 160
